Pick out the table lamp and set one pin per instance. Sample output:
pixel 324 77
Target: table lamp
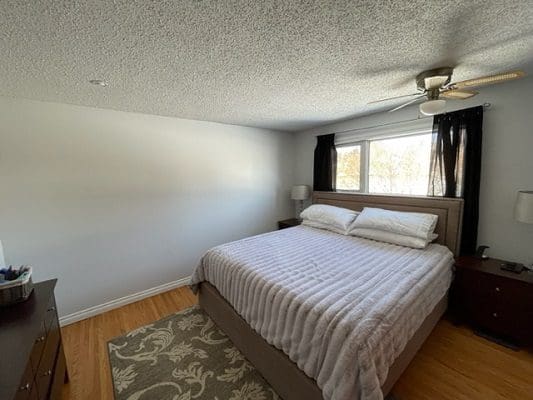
pixel 523 209
pixel 300 193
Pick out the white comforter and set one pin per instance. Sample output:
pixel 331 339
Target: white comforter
pixel 342 308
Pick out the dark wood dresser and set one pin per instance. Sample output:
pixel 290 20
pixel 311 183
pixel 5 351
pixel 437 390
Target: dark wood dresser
pixel 497 303
pixel 32 361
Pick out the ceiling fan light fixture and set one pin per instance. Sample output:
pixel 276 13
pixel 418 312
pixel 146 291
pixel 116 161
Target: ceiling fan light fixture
pixel 433 107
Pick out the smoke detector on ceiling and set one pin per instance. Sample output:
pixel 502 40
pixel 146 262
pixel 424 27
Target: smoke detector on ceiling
pixel 98 82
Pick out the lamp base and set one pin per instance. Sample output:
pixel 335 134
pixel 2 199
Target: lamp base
pixel 299 208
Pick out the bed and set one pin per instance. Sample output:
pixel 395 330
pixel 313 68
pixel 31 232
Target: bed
pixel 322 315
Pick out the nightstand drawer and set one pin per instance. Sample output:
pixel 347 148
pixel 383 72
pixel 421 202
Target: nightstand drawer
pixel 512 323
pixel 494 319
pixel 493 290
pixel 503 291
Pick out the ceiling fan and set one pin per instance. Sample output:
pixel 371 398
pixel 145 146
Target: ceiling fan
pixel 434 85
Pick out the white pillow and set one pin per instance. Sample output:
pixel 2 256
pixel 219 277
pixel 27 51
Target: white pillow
pixel 339 219
pixel 320 225
pixel 412 224
pixel 390 237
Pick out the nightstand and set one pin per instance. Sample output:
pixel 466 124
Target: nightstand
pixel 497 303
pixel 287 223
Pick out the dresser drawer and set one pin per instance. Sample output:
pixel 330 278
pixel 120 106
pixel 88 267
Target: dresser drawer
pixel 49 318
pixel 47 364
pixel 51 313
pixel 30 394
pixel 26 387
pixel 60 374
pixel 38 347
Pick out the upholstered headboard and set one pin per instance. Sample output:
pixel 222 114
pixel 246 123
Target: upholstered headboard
pixel 449 211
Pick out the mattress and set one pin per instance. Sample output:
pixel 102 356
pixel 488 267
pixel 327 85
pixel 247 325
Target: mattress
pixel 341 308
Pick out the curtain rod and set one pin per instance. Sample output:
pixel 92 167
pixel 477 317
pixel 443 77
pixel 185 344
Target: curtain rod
pixel 486 106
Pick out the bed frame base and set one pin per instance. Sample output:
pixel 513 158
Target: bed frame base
pixel 279 371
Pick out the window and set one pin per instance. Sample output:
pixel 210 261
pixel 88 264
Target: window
pixel 399 165
pixel 390 165
pixel 349 167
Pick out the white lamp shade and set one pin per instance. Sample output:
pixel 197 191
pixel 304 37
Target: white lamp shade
pixel 523 209
pixel 433 107
pixel 300 192
pixel 2 260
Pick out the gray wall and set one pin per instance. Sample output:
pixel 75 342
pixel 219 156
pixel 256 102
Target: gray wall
pixel 507 161
pixel 113 203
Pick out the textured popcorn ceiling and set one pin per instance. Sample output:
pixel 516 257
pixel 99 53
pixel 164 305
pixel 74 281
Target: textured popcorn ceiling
pixel 279 64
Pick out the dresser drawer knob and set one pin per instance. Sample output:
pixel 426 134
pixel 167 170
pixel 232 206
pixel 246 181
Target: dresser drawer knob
pixel 52 309
pixel 497 289
pixel 48 373
pixel 40 339
pixel 27 386
pixel 495 315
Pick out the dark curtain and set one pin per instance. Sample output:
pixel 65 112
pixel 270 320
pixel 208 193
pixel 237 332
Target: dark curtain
pixel 455 169
pixel 325 166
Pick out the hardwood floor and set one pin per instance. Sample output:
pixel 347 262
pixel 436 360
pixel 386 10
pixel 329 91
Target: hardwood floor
pixel 453 364
pixel 86 341
pixel 456 364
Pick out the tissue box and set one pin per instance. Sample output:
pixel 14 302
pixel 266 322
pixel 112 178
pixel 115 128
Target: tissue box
pixel 16 290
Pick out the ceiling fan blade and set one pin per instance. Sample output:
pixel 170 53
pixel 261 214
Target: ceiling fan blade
pixel 488 80
pixel 409 102
pixel 393 98
pixel 457 94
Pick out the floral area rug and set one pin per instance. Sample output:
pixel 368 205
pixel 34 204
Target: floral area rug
pixel 182 357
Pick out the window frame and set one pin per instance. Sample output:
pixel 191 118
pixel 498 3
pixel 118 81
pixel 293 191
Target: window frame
pixel 363 160
pixel 364 168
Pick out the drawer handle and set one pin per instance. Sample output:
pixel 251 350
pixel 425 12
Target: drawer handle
pixel 27 386
pixel 52 309
pixel 497 289
pixel 48 373
pixel 40 339
pixel 495 315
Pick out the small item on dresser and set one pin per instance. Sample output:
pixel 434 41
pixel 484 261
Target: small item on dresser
pixel 15 285
pixel 480 252
pixel 512 267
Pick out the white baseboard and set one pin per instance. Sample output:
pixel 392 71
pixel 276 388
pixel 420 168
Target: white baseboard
pixel 122 301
